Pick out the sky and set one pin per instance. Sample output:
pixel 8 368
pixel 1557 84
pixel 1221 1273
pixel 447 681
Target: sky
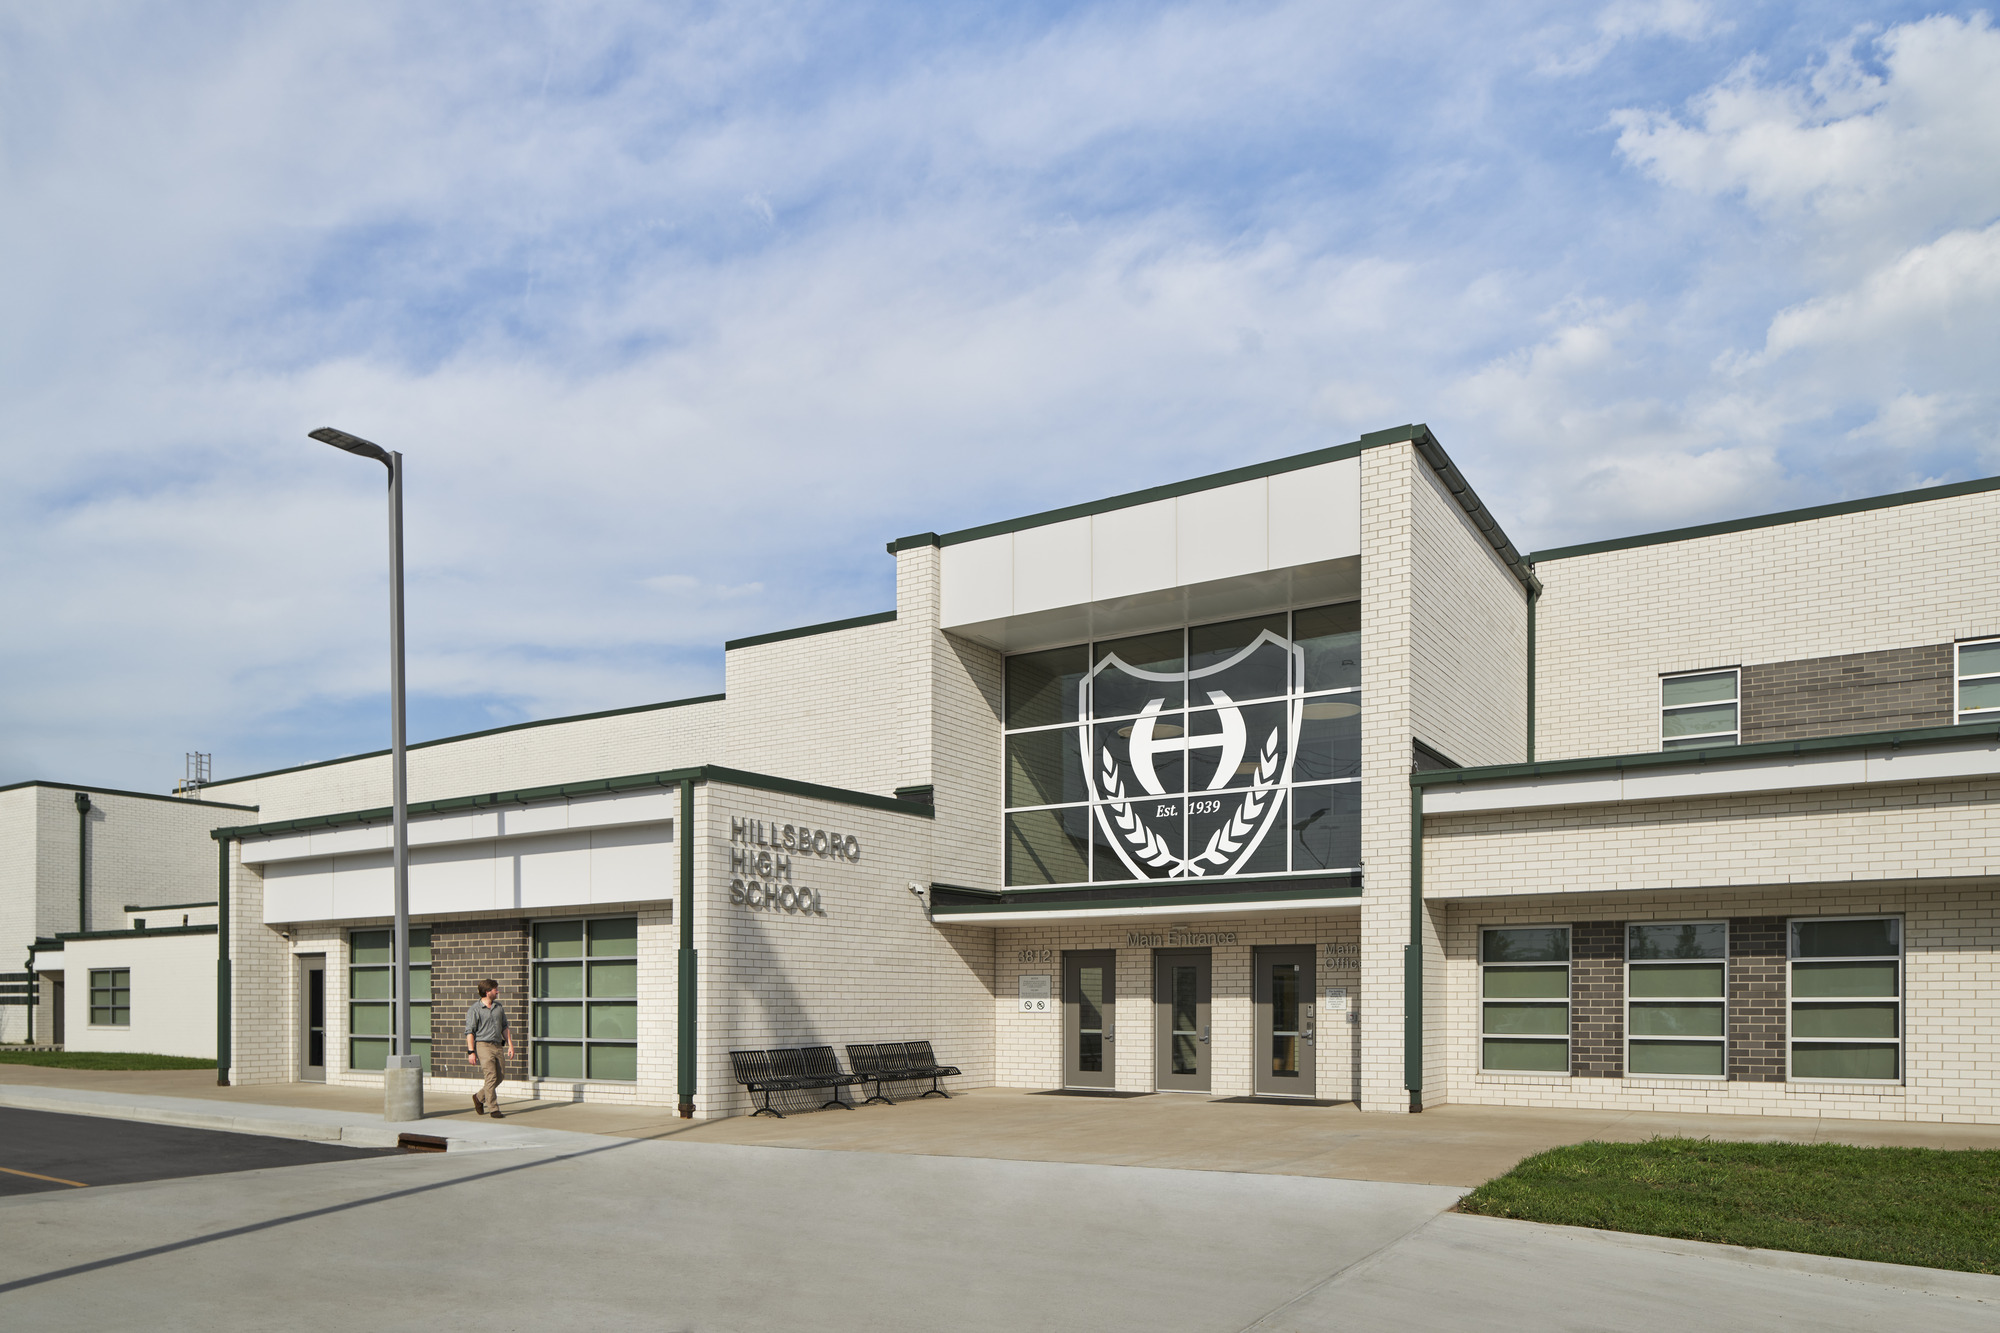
pixel 679 312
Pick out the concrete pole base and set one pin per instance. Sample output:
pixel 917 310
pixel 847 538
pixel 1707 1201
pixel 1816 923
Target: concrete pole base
pixel 403 1089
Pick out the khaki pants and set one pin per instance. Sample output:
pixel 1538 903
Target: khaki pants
pixel 489 1065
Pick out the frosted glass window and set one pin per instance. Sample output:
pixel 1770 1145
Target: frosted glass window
pixel 371 997
pixel 1524 999
pixel 1847 999
pixel 1698 710
pixel 1979 681
pixel 584 1011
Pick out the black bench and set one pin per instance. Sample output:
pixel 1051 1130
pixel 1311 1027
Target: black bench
pixel 791 1069
pixel 898 1062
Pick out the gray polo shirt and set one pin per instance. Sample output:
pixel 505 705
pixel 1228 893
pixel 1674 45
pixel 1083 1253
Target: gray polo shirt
pixel 483 1024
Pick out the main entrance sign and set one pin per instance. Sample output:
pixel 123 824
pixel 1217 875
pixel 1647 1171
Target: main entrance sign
pixel 1230 763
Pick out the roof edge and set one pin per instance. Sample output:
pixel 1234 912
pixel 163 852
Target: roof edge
pixel 704 773
pixel 1866 740
pixel 1836 510
pixel 807 631
pixel 467 736
pixel 91 790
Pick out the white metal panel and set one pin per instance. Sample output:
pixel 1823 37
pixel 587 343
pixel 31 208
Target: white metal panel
pixel 1133 551
pixel 458 878
pixel 1223 533
pixel 1837 770
pixel 1052 566
pixel 551 871
pixel 1931 764
pixel 299 891
pixel 466 827
pixel 633 864
pixel 650 805
pixel 355 838
pixel 978 580
pixel 363 885
pixel 516 820
pixel 285 847
pixel 1316 514
pixel 1523 794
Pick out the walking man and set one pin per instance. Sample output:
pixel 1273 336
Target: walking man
pixel 485 1028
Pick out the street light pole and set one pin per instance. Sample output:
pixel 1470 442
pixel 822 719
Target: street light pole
pixel 403 1079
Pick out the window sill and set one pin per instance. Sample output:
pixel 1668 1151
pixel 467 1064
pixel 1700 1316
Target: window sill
pixel 1520 1076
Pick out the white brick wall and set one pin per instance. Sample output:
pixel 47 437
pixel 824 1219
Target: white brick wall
pixel 1610 624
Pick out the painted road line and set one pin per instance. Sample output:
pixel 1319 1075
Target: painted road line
pixel 54 1179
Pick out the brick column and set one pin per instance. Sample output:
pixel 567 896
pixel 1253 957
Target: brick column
pixel 1757 999
pixel 464 953
pixel 1597 999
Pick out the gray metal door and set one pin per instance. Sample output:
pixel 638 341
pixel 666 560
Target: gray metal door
pixel 1283 989
pixel 1180 1019
pixel 1089 1025
pixel 312 1019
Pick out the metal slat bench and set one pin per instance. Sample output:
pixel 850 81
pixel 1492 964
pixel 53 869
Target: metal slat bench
pixel 866 1062
pixel 899 1062
pixel 790 1069
pixel 923 1064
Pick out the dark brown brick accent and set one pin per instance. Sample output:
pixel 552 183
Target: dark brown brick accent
pixel 1839 696
pixel 1597 999
pixel 464 953
pixel 1757 999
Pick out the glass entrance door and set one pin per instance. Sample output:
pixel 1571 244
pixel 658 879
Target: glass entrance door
pixel 312 1019
pixel 1089 1026
pixel 1284 1004
pixel 1180 1011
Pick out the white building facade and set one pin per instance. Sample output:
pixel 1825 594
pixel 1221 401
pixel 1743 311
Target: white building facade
pixel 1296 781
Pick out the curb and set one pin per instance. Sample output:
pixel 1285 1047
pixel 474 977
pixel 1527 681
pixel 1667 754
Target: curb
pixel 1906 1277
pixel 275 1121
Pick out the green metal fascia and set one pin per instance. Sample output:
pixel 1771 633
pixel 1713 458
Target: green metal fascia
pixel 222 973
pixel 596 787
pixel 1867 740
pixel 113 791
pixel 689 961
pixel 148 933
pixel 808 631
pixel 166 907
pixel 452 740
pixel 1413 961
pixel 912 542
pixel 1029 890
pixel 1836 510
pixel 1100 904
pixel 1475 509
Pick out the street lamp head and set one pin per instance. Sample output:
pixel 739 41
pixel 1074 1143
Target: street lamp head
pixel 354 444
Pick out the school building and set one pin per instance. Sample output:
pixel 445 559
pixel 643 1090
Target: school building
pixel 1294 781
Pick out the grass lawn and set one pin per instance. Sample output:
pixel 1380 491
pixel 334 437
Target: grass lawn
pixel 1894 1205
pixel 101 1060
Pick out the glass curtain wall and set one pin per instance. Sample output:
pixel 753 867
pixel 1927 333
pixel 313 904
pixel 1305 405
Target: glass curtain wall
pixel 371 997
pixel 1210 751
pixel 586 999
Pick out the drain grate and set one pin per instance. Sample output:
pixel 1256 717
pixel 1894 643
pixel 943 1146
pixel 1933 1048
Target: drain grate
pixel 420 1143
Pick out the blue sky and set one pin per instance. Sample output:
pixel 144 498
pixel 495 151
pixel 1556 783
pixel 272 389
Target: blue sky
pixel 678 312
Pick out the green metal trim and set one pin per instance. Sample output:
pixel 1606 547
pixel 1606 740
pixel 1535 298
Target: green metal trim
pixel 449 740
pixel 807 631
pixel 1173 490
pixel 222 968
pixel 1534 600
pixel 1806 515
pixel 1016 890
pixel 148 933
pixel 1413 961
pixel 911 543
pixel 1098 904
pixel 689 960
pixel 528 795
pixel 166 907
pixel 113 791
pixel 1867 740
pixel 1475 509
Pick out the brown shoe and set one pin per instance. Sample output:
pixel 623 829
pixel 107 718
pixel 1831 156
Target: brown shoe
pixel 497 1115
pixel 478 1107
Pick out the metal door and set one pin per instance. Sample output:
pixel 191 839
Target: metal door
pixel 312 1019
pixel 1090 1031
pixel 1180 1019
pixel 1284 1005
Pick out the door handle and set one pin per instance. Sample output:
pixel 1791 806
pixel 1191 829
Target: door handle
pixel 1204 1033
pixel 1111 1034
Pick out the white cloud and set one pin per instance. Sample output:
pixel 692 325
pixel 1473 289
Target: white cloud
pixel 1628 20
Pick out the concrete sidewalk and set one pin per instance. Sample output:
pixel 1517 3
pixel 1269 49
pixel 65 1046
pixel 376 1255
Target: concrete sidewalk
pixel 1451 1145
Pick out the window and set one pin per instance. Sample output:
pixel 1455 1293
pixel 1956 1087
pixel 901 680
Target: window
pixel 111 997
pixel 1205 752
pixel 1524 999
pixel 1676 988
pixel 586 999
pixel 1847 993
pixel 1698 710
pixel 371 997
pixel 1979 681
